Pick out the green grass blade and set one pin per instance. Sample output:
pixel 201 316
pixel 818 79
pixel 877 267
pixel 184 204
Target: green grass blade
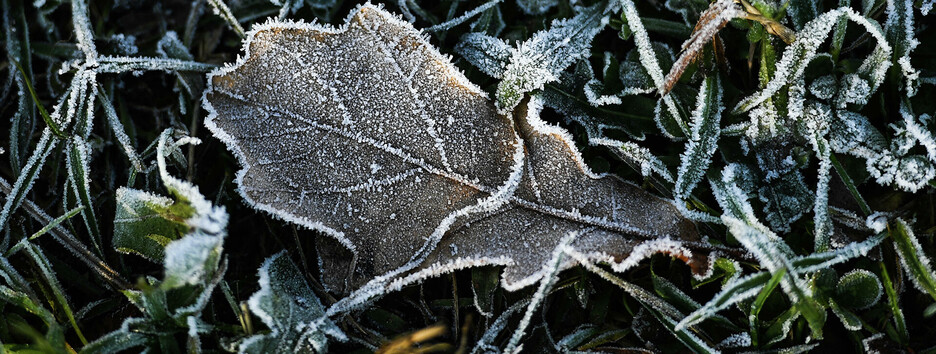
pixel 42 111
pixel 850 184
pixel 913 258
pixel 903 336
pixel 759 304
pixel 77 163
pixel 46 269
pixel 43 231
pixel 25 180
pixel 120 132
pixel 739 290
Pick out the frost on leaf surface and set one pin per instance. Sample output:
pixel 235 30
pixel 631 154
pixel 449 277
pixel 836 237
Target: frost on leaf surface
pixel 287 305
pixel 368 134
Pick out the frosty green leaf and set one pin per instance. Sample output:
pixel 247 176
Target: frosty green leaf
pixel 145 223
pixel 350 130
pixel 858 289
pixel 540 59
pixel 702 143
pixel 489 54
pixel 294 314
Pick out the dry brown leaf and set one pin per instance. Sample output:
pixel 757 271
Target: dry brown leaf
pixel 368 134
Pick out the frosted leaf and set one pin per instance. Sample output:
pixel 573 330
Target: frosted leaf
pixel 350 130
pixel 536 7
pixel 859 289
pixel 294 314
pixel 543 57
pixel 694 162
pixel 785 199
pixel 913 172
pixel 849 320
pixel 138 226
pixel 490 54
pixel 823 87
pixel 145 223
pixel 191 260
pixel 892 164
pixel 851 133
pixel 920 130
pixel 854 90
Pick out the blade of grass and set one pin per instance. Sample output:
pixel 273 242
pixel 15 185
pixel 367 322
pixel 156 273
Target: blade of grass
pixel 221 9
pixel 42 111
pixel 46 269
pixel 903 337
pixel 43 231
pixel 77 163
pixel 912 258
pixel 759 304
pixel 850 184
pixel 30 171
pixel 119 131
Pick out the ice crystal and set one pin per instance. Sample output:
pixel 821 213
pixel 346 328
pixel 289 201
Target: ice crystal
pixel 310 110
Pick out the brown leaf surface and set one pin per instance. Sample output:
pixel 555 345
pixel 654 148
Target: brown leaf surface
pixel 368 134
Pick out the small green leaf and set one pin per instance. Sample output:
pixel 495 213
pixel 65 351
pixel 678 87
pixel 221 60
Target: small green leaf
pixel 144 222
pixel 850 320
pixel 858 289
pixel 287 305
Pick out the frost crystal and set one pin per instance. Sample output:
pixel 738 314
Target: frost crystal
pixel 310 110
